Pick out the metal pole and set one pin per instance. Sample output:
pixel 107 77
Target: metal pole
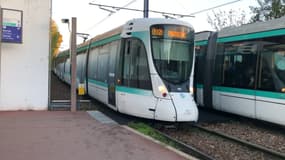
pixel 73 64
pixel 145 10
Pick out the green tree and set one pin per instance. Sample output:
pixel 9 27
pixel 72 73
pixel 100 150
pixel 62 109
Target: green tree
pixel 56 39
pixel 222 19
pixel 267 10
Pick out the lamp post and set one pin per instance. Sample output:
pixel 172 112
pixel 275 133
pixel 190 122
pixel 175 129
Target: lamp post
pixel 73 61
pixel 73 64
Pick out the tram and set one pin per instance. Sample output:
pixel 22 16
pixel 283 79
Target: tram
pixel 143 68
pixel 241 70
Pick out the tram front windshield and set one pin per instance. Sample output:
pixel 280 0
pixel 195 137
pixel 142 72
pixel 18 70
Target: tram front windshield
pixel 172 48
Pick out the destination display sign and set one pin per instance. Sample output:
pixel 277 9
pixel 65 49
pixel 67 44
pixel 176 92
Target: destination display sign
pixel 12 30
pixel 170 32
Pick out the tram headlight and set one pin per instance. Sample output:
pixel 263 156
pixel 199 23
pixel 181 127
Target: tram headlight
pixel 162 89
pixel 191 90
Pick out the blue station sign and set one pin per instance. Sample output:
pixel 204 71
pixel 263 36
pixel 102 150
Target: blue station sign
pixel 11 33
pixel 12 22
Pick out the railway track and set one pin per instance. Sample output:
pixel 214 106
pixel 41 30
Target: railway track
pixel 242 142
pixel 188 149
pixel 244 149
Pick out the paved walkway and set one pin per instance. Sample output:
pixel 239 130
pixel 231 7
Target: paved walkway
pixel 72 136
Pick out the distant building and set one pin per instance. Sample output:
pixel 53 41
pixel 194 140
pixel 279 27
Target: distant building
pixel 24 72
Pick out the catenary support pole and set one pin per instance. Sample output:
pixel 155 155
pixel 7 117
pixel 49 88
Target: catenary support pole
pixel 145 10
pixel 73 64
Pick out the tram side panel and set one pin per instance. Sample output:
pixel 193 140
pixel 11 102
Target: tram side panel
pixel 270 94
pixel 98 73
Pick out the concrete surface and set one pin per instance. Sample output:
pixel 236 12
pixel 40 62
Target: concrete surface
pixel 72 136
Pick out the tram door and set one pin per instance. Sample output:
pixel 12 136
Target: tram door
pixel 111 74
pixel 237 93
pixel 134 92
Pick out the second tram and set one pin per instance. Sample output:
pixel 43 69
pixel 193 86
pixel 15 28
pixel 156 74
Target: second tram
pixel 241 70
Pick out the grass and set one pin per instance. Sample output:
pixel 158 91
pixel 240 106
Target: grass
pixel 149 131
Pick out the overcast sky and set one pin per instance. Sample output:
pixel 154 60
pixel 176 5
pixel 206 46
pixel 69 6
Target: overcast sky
pixel 94 21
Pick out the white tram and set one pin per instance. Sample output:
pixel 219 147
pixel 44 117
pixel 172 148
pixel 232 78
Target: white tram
pixel 143 68
pixel 241 70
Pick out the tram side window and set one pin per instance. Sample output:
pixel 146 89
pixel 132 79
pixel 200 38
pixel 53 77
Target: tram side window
pixel 83 73
pixel 199 63
pixel 272 65
pixel 79 66
pixel 67 67
pixel 113 57
pixel 103 60
pixel 239 64
pixel 135 65
pixel 92 64
pixel 219 60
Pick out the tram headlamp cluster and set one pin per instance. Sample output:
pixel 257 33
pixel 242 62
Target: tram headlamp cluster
pixel 283 90
pixel 163 90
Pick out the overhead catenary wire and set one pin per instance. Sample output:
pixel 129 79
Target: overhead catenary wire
pixel 165 14
pixel 109 15
pixel 218 6
pixel 139 10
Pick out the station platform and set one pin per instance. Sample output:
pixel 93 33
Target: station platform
pixel 45 135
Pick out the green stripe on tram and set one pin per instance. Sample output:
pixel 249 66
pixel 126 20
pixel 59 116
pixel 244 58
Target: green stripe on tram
pixel 99 83
pixel 268 94
pixel 143 35
pixel 105 41
pixel 200 86
pixel 235 90
pixel 201 43
pixel 272 33
pixel 134 91
pixel 259 93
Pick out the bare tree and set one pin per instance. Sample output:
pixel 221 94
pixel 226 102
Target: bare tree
pixel 222 19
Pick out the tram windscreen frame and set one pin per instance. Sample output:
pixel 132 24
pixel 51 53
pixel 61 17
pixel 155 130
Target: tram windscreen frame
pixel 172 51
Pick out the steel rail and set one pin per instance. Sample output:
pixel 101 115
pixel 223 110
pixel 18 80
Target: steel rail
pixel 251 145
pixel 185 147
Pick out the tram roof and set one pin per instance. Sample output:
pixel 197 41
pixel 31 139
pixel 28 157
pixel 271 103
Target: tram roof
pixel 100 39
pixel 274 24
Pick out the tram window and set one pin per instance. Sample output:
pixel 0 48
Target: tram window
pixel 239 64
pixel 113 56
pixel 126 64
pixel 135 66
pixel 103 59
pixel 67 66
pixel 272 65
pixel 219 60
pixel 79 66
pixel 199 63
pixel 144 81
pixel 92 64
